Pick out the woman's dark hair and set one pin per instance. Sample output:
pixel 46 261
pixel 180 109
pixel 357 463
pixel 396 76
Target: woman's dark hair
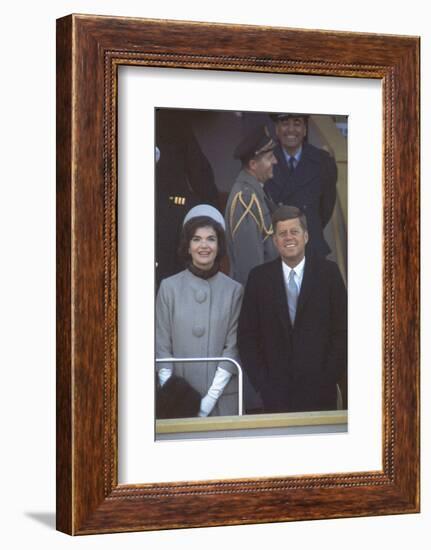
pixel 190 228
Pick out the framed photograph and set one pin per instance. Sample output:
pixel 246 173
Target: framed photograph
pixel 136 100
pixel 195 165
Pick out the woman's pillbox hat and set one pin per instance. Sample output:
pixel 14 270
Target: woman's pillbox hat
pixel 205 210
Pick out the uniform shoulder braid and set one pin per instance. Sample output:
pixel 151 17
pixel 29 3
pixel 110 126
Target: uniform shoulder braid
pixel 248 204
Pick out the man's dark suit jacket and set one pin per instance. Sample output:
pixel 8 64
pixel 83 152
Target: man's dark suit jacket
pixel 295 368
pixel 311 187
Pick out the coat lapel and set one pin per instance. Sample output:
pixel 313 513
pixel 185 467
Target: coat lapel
pixel 286 182
pixel 306 286
pixel 301 174
pixel 280 296
pixel 284 179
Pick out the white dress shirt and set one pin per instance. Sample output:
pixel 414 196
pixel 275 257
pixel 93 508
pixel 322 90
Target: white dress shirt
pixel 298 273
pixel 297 156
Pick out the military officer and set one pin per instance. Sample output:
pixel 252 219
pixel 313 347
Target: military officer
pixel 248 210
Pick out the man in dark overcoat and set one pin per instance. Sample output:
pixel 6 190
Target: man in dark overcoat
pixel 304 176
pixel 292 332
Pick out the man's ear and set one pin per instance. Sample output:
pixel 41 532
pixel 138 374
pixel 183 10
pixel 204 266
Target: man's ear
pixel 306 237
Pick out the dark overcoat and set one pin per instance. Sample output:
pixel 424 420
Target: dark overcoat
pixel 295 368
pixel 184 178
pixel 310 187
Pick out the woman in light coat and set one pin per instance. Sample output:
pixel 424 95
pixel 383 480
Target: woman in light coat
pixel 197 314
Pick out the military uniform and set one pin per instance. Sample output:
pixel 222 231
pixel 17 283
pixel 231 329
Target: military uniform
pixel 248 227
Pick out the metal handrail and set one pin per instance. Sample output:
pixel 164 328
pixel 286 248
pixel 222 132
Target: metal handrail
pixel 210 360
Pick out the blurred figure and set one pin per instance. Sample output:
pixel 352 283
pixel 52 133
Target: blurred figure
pixel 184 178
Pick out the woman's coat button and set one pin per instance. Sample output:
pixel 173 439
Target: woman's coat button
pixel 200 296
pixel 198 331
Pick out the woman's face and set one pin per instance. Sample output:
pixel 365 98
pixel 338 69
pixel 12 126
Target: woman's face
pixel 204 247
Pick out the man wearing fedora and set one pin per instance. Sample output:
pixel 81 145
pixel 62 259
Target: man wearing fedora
pixel 248 210
pixel 304 176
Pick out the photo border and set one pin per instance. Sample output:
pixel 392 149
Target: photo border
pixel 89 51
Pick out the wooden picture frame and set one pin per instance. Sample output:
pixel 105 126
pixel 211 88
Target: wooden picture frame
pixel 89 51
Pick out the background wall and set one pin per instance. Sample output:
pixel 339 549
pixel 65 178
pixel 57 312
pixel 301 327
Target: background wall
pixel 27 289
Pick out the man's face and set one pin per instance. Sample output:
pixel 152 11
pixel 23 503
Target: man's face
pixel 262 166
pixel 291 133
pixel 290 240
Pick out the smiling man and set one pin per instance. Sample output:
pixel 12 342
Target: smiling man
pixel 305 176
pixel 248 210
pixel 292 332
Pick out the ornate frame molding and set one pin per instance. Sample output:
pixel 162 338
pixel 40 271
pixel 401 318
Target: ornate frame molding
pixel 90 49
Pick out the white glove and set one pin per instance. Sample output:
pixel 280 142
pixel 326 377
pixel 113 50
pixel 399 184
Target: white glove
pixel 207 405
pixel 221 378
